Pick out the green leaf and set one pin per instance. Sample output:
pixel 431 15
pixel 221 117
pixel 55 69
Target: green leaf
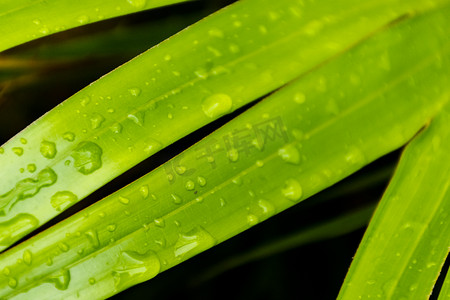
pixel 24 20
pixel 445 291
pixel 408 239
pixel 212 68
pixel 293 144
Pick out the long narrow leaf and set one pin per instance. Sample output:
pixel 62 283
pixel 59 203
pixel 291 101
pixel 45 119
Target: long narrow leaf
pixel 170 91
pixel 24 20
pixel 411 228
pixel 293 144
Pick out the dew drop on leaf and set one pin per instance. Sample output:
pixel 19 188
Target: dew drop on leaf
pixel 48 149
pixel 137 3
pixel 192 243
pixel 87 157
pixel 61 200
pixel 18 151
pixel 289 154
pixel 217 105
pixel 292 190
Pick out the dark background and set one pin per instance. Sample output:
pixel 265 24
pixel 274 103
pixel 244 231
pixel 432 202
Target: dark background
pixel 314 271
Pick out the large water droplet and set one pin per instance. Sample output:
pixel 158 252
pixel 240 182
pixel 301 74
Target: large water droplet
pixel 48 149
pixel 26 188
pixel 96 120
pixel 62 200
pixel 190 185
pixel 217 105
pixel 60 280
pixel 16 227
pixel 201 181
pixel 290 154
pixel 192 243
pixel 12 283
pixel 87 157
pixel 133 268
pixel 292 190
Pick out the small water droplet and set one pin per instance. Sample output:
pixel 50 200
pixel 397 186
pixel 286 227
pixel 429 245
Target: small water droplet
pixel 69 136
pixel 87 157
pixel 12 283
pixel 190 185
pixel 62 200
pixel 233 155
pixel 111 227
pixel 252 220
pixel 31 168
pixel 124 200
pixel 18 151
pixel 96 120
pixel 143 190
pixel 299 98
pixel 48 149
pixel 92 281
pixel 83 19
pixel 167 57
pixel 215 32
pixel 292 190
pixel 259 163
pixel 23 141
pixel 63 247
pixel 217 105
pixel 116 128
pixel 201 181
pixel 92 237
pixel 134 91
pixel 176 199
pixel 159 222
pixel 137 118
pixel 289 154
pixel 27 257
pixel 137 3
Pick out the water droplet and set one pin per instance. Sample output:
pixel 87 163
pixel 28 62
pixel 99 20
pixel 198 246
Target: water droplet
pixel 87 157
pixel 2 150
pixel 63 247
pixel 92 281
pixel 23 141
pixel 84 101
pixel 92 237
pixel 61 280
pixel 111 227
pixel 233 155
pixel 259 163
pixel 215 32
pixel 124 200
pixel 48 149
pixel 192 243
pixel 201 181
pixel 134 91
pixel 62 200
pixel 132 268
pixel 190 185
pixel 18 151
pixel 299 98
pixel 31 168
pixel 176 199
pixel 15 228
pixel 83 19
pixel 237 180
pixel 180 170
pixel 96 120
pixel 26 188
pixel 217 105
pixel 201 73
pixel 167 57
pixel 6 271
pixel 252 220
pixel 137 3
pixel 137 118
pixel 289 154
pixel 69 136
pixel 159 222
pixel 12 283
pixel 143 190
pixel 262 29
pixel 292 190
pixel 267 208
pixel 27 257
